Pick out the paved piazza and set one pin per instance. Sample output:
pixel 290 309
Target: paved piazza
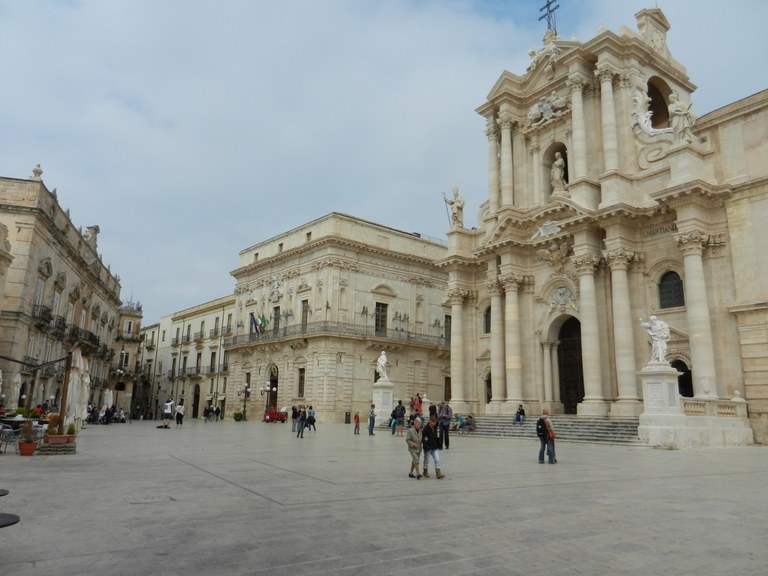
pixel 250 498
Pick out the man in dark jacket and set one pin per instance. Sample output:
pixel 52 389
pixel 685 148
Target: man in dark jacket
pixel 431 445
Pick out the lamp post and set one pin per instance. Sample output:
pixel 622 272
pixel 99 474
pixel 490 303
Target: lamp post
pixel 246 393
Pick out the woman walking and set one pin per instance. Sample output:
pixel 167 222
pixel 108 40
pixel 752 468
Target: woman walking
pixel 180 413
pixel 413 440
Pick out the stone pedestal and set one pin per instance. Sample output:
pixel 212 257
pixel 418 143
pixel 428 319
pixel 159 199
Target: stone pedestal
pixel 662 418
pixel 384 398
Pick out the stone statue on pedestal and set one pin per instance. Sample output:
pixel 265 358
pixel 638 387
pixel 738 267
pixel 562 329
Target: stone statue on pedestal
pixel 658 330
pixel 381 366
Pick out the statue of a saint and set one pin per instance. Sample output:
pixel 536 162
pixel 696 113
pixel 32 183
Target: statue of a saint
pixel 381 365
pixel 681 118
pixel 559 185
pixel 658 330
pixel 457 208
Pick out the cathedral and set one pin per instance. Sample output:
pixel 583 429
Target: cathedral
pixel 610 202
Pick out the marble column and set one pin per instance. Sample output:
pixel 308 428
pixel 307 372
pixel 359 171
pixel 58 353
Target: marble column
pixel 493 165
pixel 575 84
pixel 505 123
pixel 606 72
pixel 692 246
pixel 458 385
pixel 593 403
pixel 514 351
pixel 628 403
pixel 498 377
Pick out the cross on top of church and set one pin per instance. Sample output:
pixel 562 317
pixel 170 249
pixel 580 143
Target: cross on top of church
pixel 550 15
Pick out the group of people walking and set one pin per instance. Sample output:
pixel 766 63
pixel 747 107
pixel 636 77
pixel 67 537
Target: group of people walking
pixel 303 418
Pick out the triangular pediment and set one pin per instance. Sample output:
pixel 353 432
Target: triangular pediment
pixel 525 227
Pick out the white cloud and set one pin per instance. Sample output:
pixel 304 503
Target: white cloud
pixel 189 130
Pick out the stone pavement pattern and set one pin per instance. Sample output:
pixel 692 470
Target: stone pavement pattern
pixel 250 498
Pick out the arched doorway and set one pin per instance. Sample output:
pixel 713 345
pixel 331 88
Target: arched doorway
pixel 569 365
pixel 274 374
pixel 684 381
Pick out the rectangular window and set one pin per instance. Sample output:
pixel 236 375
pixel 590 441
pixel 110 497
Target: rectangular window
pixel 447 334
pixel 304 314
pixel 302 375
pixel 447 389
pixel 276 321
pixel 163 336
pixel 380 318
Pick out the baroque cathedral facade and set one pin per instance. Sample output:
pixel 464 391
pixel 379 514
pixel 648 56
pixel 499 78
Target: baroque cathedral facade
pixel 609 201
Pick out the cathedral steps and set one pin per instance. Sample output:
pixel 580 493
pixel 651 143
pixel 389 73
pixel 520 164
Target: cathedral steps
pixel 568 428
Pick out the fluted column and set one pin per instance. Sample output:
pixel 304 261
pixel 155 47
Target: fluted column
pixel 458 384
pixel 538 193
pixel 623 339
pixel 547 365
pixel 498 378
pixel 493 165
pixel 505 123
pixel 605 73
pixel 593 403
pixel 575 84
pixel 514 350
pixel 697 312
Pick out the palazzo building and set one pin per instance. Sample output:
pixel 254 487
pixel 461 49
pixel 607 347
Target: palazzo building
pixel 57 294
pixel 609 201
pixel 316 306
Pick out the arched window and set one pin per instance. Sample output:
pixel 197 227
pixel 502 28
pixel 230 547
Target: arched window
pixel 671 292
pixel 487 321
pixel 657 90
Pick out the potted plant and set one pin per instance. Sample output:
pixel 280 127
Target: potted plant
pixel 53 436
pixel 237 416
pixel 71 433
pixel 27 444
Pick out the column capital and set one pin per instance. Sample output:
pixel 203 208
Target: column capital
pixel 576 82
pixel 511 282
pixel 619 258
pixel 506 119
pixel 605 72
pixel 491 131
pixel 586 263
pixel 456 296
pixel 692 242
pixel 494 286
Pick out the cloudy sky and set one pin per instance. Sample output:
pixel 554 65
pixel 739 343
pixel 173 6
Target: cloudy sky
pixel 192 129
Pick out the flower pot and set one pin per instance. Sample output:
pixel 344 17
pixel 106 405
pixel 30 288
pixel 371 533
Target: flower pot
pixel 27 448
pixel 70 438
pixel 57 439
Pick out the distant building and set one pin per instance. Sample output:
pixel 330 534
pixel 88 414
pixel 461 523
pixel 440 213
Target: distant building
pixel 56 292
pixel 610 201
pixel 183 357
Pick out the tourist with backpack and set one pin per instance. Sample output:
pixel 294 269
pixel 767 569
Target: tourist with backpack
pixel 546 438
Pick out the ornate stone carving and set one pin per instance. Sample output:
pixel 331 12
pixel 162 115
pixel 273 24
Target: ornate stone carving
pixel 456 295
pixel 605 73
pixel 586 264
pixel 619 258
pixel 546 110
pixel 563 297
pixel 556 255
pixel 691 243
pixel 641 115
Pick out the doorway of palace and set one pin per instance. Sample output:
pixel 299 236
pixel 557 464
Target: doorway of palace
pixel 684 381
pixel 196 401
pixel 273 385
pixel 569 365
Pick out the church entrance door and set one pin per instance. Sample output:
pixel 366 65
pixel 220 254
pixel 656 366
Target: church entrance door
pixel 570 366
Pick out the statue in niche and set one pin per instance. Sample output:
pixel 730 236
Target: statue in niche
pixel 457 208
pixel 381 366
pixel 681 117
pixel 658 330
pixel 559 185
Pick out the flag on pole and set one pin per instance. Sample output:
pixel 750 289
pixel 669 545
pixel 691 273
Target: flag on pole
pixel 253 323
pixel 263 322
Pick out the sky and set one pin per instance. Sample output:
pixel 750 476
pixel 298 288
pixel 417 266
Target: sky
pixel 190 130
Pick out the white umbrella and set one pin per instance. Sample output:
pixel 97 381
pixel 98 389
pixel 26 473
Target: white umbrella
pixel 73 386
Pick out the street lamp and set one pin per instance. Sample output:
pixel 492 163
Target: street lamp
pixel 246 393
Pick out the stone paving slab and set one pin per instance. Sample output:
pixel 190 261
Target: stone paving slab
pixel 251 498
